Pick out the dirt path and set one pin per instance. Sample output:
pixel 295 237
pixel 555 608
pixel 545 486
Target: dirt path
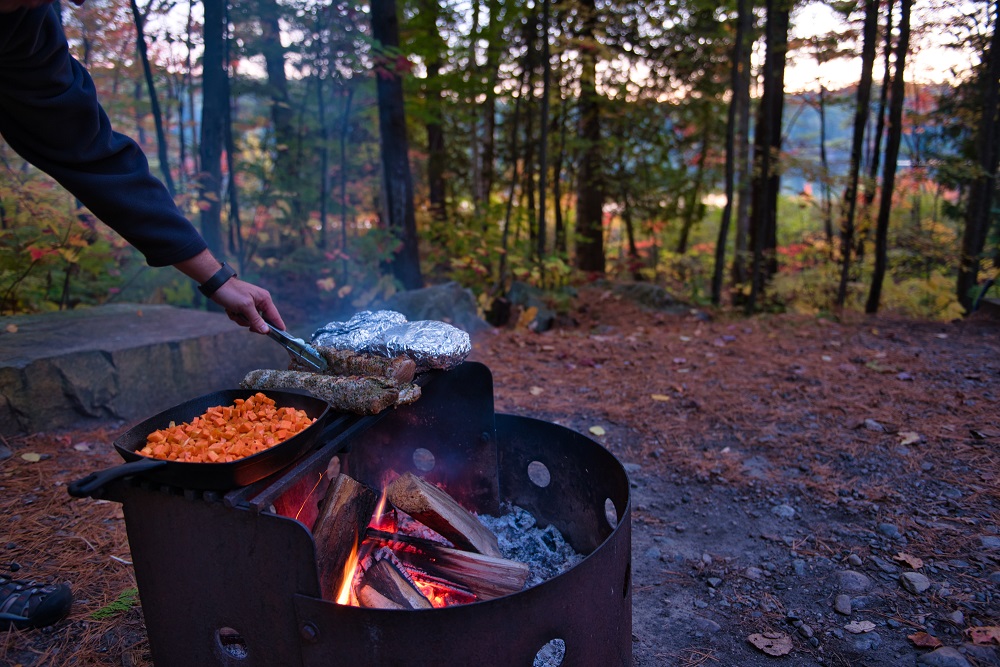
pixel 832 483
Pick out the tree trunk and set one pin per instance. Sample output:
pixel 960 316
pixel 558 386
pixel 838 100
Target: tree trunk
pixel 736 75
pixel 213 113
pixel 397 178
pixel 977 213
pixel 429 12
pixel 741 272
pixel 694 198
pixel 286 169
pixel 876 143
pixel 501 283
pixel 235 227
pixel 154 103
pixel 767 151
pixel 492 66
pixel 590 195
pixel 891 154
pixel 559 231
pixel 861 114
pixel 345 127
pixel 543 148
pixel 825 170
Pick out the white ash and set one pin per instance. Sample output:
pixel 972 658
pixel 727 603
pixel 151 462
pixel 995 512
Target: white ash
pixel 543 550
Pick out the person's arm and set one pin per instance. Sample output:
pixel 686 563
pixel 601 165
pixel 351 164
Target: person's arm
pixel 50 115
pixel 244 302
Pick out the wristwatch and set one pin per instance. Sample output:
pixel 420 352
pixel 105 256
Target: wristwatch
pixel 212 285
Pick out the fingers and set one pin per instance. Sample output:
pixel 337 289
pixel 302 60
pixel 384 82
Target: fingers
pixel 245 304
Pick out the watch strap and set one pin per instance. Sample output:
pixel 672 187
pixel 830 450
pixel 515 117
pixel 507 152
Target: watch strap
pixel 212 285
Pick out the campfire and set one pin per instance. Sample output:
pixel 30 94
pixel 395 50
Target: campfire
pixel 412 546
pixel 470 558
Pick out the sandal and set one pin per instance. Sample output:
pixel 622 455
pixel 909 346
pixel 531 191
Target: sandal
pixel 28 604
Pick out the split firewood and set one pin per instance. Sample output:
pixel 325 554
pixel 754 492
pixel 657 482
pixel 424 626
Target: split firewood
pixel 361 395
pixel 440 512
pixel 485 576
pixel 399 370
pixel 390 583
pixel 343 517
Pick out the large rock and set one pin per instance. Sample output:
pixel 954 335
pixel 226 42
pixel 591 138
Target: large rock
pixel 118 363
pixel 449 302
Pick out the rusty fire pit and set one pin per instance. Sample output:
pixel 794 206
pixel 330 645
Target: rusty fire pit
pixel 226 580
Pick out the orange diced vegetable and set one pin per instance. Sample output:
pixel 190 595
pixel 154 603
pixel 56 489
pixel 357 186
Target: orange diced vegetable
pixel 227 433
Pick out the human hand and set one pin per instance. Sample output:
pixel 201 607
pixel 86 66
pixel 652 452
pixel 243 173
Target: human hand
pixel 248 305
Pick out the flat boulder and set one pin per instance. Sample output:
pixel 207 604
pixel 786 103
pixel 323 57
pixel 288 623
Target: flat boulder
pixel 122 362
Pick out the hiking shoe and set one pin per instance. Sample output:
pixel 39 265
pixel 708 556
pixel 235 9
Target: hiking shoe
pixel 28 604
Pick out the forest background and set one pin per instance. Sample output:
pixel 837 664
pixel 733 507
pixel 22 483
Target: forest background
pixel 339 152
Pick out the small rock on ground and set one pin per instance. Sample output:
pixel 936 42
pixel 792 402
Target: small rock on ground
pixel 945 656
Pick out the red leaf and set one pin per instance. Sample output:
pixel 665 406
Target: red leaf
pixel 924 640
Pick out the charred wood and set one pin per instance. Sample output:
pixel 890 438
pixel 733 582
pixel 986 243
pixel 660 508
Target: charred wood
pixel 440 512
pixel 384 580
pixel 343 517
pixel 487 577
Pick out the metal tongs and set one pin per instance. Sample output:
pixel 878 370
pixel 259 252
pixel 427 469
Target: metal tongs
pixel 298 348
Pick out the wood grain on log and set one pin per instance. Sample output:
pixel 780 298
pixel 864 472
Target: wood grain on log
pixel 440 512
pixel 343 518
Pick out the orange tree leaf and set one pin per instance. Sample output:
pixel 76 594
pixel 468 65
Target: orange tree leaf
pixel 984 634
pixel 924 640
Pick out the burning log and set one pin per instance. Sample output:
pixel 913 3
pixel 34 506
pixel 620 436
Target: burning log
pixel 385 586
pixel 487 577
pixel 437 510
pixel 361 395
pixel 398 370
pixel 343 516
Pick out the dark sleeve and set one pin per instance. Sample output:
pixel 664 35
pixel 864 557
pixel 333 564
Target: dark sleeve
pixel 50 115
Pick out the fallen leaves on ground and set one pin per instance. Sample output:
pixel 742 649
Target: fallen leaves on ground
pixel 772 643
pixel 988 634
pixel 924 640
pixel 912 562
pixel 859 627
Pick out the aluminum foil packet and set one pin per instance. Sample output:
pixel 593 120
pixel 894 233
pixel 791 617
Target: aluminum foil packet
pixel 430 343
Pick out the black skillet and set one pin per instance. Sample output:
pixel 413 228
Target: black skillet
pixel 207 476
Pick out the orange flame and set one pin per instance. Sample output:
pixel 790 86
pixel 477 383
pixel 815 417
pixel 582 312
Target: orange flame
pixel 344 594
pixel 353 561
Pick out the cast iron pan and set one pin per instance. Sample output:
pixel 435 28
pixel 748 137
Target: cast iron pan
pixel 207 476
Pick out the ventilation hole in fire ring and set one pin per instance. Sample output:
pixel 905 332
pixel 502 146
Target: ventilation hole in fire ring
pixel 539 474
pixel 611 512
pixel 232 643
pixel 550 655
pixel 423 460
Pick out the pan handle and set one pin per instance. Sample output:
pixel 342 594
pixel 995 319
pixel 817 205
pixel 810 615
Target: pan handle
pixel 90 486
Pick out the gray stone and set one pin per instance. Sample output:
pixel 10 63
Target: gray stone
pixel 866 641
pixel 799 567
pixel 5 453
pixel 706 625
pixel 914 582
pixel 983 655
pixel 957 617
pixel 448 302
pixel 990 541
pixel 854 560
pixel 754 573
pixel 783 511
pixel 884 565
pixel 945 656
pixel 122 362
pixel 651 296
pixel 853 582
pixel 842 604
pixel 889 530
